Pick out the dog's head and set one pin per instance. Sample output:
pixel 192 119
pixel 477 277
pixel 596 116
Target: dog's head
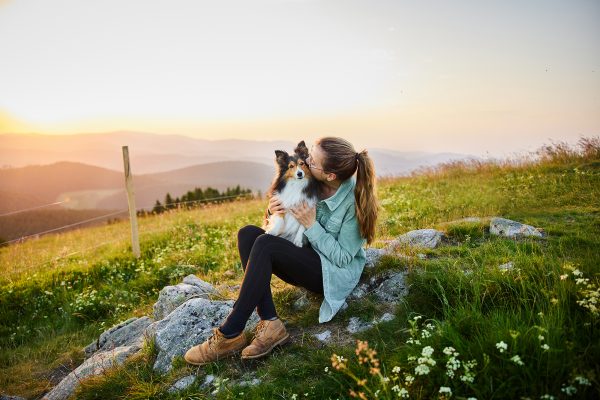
pixel 293 166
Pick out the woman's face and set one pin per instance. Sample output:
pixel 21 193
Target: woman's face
pixel 315 163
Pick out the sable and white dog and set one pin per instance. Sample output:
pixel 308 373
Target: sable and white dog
pixel 293 185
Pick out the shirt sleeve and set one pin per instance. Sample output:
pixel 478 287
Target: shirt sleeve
pixel 340 252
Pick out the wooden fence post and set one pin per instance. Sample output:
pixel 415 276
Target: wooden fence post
pixel 135 242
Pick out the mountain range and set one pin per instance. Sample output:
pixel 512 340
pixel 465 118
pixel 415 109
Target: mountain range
pixel 85 171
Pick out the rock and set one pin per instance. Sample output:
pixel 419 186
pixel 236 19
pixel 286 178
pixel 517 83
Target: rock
pixel 95 365
pixel 7 397
pixel 188 325
pixel 386 317
pixel 359 291
pixel 422 256
pixel 506 267
pixel 392 289
pixel 171 297
pixel 355 325
pixel 207 381
pixel 193 280
pixel 182 384
pixel 512 229
pixel 253 382
pixel 302 302
pixel 126 333
pixel 428 238
pixel 373 256
pixel 323 336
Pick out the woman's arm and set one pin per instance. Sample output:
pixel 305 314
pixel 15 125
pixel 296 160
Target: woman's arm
pixel 342 250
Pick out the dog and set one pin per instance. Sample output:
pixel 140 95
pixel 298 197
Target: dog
pixel 293 184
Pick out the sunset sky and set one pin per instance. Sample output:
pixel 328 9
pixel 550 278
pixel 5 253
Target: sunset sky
pixel 477 77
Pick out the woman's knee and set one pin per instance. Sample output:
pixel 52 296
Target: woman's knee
pixel 264 240
pixel 249 231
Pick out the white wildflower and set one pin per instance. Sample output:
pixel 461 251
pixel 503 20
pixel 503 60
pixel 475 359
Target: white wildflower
pixel 517 360
pixel 448 350
pixel 501 346
pixel 422 369
pixel 427 351
pixel 582 381
pixel 569 390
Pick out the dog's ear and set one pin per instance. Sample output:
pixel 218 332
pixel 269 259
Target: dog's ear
pixel 301 150
pixel 281 157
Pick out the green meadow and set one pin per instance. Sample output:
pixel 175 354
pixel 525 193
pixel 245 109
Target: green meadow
pixel 467 328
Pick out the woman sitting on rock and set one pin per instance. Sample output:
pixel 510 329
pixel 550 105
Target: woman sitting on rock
pixel 336 229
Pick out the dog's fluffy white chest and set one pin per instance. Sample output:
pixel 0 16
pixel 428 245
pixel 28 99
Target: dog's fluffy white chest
pixel 288 226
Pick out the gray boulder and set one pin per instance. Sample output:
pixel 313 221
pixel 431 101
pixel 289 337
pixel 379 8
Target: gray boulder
pixel 7 397
pixel 95 365
pixel 388 286
pixel 126 333
pixel 428 238
pixel 188 325
pixel 182 384
pixel 171 297
pixel 393 289
pixel 356 325
pixel 512 229
pixel 373 256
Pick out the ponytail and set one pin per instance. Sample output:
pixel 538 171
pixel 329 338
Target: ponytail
pixel 367 206
pixel 344 161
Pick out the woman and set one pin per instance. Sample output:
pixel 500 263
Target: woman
pixel 336 229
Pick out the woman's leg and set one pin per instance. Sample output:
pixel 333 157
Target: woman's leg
pixel 246 238
pixel 272 254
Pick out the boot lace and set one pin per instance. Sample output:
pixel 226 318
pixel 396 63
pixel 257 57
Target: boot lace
pixel 261 327
pixel 214 340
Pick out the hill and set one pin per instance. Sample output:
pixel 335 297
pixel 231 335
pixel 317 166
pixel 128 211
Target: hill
pixel 82 186
pixel 485 316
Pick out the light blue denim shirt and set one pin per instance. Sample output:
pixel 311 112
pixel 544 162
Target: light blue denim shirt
pixel 335 236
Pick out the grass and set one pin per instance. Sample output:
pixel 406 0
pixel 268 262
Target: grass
pixel 541 308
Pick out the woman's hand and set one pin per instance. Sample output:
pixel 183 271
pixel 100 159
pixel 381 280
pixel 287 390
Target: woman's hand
pixel 305 215
pixel 275 206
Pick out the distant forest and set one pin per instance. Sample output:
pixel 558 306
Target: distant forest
pixel 197 197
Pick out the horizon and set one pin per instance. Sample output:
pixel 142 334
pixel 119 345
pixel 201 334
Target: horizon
pixel 491 80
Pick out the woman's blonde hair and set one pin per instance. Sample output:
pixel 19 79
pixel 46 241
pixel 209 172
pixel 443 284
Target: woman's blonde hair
pixel 341 159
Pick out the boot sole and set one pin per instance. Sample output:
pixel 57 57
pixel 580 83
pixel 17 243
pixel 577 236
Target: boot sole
pixel 222 356
pixel 279 342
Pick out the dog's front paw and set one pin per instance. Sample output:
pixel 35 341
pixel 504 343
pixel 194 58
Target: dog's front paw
pixel 298 243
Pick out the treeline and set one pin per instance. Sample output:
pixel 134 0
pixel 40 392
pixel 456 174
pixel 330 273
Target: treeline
pixel 197 197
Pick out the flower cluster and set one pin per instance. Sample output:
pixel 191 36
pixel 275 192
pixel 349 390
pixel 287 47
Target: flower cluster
pixel 589 292
pixel 367 355
pixel 371 380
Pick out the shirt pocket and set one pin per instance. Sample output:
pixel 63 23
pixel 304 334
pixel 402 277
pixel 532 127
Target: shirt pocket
pixel 333 226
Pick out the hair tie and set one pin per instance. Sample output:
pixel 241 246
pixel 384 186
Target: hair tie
pixel 356 156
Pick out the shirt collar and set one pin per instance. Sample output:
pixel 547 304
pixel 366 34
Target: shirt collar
pixel 346 186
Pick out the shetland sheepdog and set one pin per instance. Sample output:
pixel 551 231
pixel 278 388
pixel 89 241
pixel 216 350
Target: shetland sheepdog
pixel 293 184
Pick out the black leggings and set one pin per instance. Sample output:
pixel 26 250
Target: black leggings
pixel 261 255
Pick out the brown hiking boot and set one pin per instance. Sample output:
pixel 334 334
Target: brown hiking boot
pixel 214 348
pixel 268 335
